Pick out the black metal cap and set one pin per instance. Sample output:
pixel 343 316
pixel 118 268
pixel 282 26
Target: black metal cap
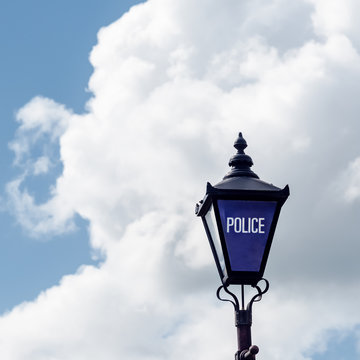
pixel 241 181
pixel 240 162
pixel 241 177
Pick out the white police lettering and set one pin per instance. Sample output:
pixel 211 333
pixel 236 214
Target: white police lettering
pixel 245 225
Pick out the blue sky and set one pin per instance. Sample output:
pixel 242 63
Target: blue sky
pixel 124 117
pixel 45 50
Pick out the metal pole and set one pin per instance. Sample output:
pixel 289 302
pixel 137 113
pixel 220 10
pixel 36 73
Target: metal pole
pixel 243 326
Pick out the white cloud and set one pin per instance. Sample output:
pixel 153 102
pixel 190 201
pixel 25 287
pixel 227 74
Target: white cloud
pixel 40 117
pixel 347 185
pixel 42 123
pixel 333 16
pixel 52 217
pixel 173 83
pixel 353 190
pixel 41 166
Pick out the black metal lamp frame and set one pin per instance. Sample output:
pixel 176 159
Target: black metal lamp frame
pixel 241 183
pixel 227 275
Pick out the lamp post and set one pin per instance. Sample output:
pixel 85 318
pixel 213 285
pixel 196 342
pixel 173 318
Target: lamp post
pixel 240 214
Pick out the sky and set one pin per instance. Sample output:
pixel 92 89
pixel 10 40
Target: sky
pixel 114 117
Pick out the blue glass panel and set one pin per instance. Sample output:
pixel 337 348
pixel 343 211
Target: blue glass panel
pixel 246 226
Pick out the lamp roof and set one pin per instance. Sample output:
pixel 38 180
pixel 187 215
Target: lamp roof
pixel 241 177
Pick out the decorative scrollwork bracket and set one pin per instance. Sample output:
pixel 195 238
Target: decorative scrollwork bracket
pixel 243 318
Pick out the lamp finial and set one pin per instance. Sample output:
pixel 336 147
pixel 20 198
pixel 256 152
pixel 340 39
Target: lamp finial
pixel 240 162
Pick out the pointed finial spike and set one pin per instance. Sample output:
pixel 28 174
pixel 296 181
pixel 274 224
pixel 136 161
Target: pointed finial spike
pixel 240 162
pixel 240 144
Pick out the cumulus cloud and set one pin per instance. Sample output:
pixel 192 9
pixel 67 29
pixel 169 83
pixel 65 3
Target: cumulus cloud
pixel 173 83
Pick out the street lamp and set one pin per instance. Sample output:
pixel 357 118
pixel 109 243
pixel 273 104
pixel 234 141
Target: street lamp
pixel 240 214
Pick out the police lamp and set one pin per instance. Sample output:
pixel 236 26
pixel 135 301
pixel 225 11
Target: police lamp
pixel 240 214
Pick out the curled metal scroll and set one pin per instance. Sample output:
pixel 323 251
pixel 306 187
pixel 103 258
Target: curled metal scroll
pixel 260 293
pixel 235 302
